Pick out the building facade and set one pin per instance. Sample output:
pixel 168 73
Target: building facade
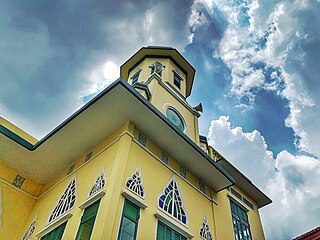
pixel 130 164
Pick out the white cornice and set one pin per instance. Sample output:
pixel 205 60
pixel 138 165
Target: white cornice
pixel 92 199
pixel 134 198
pixel 51 226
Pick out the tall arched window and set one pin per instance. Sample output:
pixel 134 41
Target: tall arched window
pixel 134 183
pixel 171 202
pixel 98 184
pixel 66 201
pixel 205 232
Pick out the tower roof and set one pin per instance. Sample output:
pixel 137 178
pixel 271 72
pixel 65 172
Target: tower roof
pixel 160 52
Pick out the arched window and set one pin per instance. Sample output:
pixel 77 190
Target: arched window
pixel 98 184
pixel 30 229
pixel 175 118
pixel 66 201
pixel 171 202
pixel 134 183
pixel 205 232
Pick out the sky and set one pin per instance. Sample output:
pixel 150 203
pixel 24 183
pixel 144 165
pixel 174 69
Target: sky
pixel 257 75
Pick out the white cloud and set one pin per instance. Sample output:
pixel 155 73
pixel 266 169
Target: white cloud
pixel 292 187
pixel 248 151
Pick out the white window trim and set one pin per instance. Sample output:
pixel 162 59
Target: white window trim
pixel 92 199
pixel 173 224
pixel 134 198
pixel 55 223
pixel 240 204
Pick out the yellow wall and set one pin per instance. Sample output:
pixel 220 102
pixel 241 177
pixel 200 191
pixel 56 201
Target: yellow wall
pixel 223 219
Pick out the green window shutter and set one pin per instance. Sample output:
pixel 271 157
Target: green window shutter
pixel 240 222
pixel 87 221
pixel 55 234
pixel 166 233
pixel 129 221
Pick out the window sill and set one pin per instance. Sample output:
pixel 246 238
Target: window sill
pixel 174 225
pixel 135 199
pixel 52 225
pixel 92 199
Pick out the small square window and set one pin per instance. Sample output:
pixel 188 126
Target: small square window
pixel 202 186
pixel 88 156
pixel 177 80
pixel 70 170
pixel 18 181
pixel 142 139
pixel 165 157
pixel 183 172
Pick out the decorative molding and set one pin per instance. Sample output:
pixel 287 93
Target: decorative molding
pixel 135 199
pixel 170 201
pixel 205 232
pixel 135 184
pixel 99 184
pixel 55 223
pixel 30 229
pixel 173 224
pixel 92 199
pixel 66 202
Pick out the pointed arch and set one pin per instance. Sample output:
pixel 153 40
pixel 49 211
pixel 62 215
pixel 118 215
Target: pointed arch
pixel 170 201
pixel 66 201
pixel 99 184
pixel 134 183
pixel 205 232
pixel 30 229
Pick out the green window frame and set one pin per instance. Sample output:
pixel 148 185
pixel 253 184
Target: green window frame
pixel 240 222
pixel 87 221
pixel 135 77
pixel 55 234
pixel 129 221
pixel 177 80
pixel 166 233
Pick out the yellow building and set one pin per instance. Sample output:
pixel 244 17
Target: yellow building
pixel 130 164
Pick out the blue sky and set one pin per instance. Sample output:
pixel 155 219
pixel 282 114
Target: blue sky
pixel 257 77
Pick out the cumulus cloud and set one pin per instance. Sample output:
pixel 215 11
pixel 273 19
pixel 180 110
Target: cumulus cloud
pixel 287 179
pixel 244 146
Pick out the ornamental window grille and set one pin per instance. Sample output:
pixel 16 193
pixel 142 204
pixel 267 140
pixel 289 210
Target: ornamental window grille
pixel 205 232
pixel 31 229
pixel 99 184
pixel 142 139
pixel 183 172
pixel 202 186
pixel 170 201
pixel 134 183
pixel 18 181
pixel 88 156
pixel 71 168
pixel 66 201
pixel 165 157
